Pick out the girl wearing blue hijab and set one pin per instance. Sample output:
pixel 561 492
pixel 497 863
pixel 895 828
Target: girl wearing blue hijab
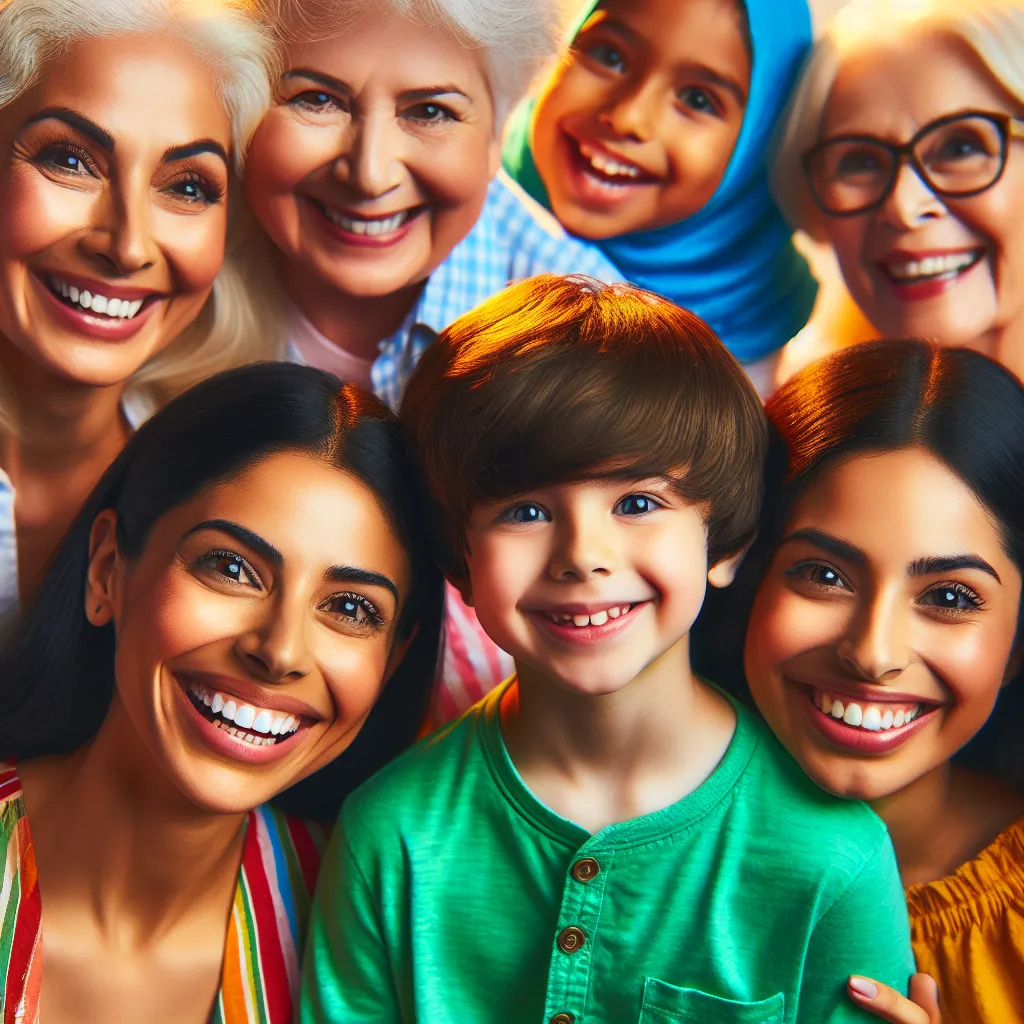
pixel 650 139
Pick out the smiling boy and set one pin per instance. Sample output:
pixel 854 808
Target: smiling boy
pixel 605 837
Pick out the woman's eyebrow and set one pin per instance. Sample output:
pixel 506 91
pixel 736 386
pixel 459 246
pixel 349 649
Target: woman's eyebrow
pixel 79 122
pixel 320 79
pixel 351 574
pixel 194 149
pixel 252 540
pixel 833 545
pixel 950 563
pixel 432 92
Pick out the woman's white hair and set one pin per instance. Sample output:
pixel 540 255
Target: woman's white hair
pixel 517 37
pixel 993 29
pixel 241 54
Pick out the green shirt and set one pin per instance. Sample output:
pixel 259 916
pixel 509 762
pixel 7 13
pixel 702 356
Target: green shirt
pixel 449 893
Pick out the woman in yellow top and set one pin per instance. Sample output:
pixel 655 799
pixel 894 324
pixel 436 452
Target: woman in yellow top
pixel 883 620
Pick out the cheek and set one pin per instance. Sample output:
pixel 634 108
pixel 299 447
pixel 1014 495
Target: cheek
pixel 354 670
pixel 699 161
pixel 781 627
pixel 194 247
pixel 846 236
pixel 455 177
pixel 500 572
pixel 36 213
pixel 971 663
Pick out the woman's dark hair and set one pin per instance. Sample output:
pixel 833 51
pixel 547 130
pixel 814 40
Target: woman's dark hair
pixel 57 670
pixel 959 405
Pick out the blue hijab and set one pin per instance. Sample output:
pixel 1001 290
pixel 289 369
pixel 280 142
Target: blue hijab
pixel 732 262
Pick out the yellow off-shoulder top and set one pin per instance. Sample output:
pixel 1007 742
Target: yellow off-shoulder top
pixel 968 933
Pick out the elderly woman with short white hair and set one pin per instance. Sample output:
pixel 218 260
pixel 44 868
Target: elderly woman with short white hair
pixel 903 150
pixel 123 123
pixel 376 173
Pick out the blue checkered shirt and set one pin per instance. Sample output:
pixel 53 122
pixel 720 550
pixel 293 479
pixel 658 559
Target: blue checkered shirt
pixel 514 238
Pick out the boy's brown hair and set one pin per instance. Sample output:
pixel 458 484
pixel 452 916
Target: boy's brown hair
pixel 558 379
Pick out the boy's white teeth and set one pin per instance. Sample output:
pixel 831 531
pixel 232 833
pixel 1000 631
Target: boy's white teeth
pixel 247 719
pixel 608 165
pixel 872 717
pixel 116 309
pixel 364 226
pixel 595 619
pixel 932 266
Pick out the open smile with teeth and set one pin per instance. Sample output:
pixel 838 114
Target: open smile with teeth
pixel 594 619
pixel 258 726
pixel 932 268
pixel 372 227
pixel 105 306
pixel 864 715
pixel 609 170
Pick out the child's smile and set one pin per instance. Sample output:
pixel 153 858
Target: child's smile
pixel 637 127
pixel 589 583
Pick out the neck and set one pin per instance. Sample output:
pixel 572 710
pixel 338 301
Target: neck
pixel 641 748
pixel 913 816
pixel 63 426
pixel 355 323
pixel 946 818
pixel 112 829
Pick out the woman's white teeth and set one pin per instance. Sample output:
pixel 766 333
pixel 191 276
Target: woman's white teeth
pixel 932 266
pixel 870 716
pixel 116 309
pixel 364 226
pixel 595 619
pixel 247 718
pixel 608 165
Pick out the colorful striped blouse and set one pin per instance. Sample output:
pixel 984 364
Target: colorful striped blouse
pixel 260 976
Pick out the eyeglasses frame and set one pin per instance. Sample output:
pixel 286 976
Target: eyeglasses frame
pixel 1009 126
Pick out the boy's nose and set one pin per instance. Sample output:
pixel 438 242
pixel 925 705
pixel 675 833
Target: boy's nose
pixel 582 549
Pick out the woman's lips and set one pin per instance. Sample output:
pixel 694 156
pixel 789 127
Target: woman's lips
pixel 366 232
pixel 925 275
pixel 215 735
pixel 864 726
pixel 72 315
pixel 597 178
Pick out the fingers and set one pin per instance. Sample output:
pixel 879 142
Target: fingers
pixel 888 1004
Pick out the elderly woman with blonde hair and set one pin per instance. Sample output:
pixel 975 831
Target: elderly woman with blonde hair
pixel 124 123
pixel 902 150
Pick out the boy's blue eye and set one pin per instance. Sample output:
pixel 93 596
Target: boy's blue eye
pixel 635 505
pixel 525 513
pixel 607 55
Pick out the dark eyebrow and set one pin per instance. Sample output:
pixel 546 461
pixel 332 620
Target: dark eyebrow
pixel 77 121
pixel 950 563
pixel 350 574
pixel 833 545
pixel 252 540
pixel 195 148
pixel 336 574
pixel 705 73
pixel 314 76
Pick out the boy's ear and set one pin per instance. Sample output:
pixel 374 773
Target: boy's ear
pixel 723 572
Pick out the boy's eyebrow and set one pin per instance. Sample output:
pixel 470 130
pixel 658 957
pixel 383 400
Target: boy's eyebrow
pixel 950 563
pixel 833 545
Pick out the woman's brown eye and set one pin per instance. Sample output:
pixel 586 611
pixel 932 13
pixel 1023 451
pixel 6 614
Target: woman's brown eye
pixel 229 566
pixel 354 608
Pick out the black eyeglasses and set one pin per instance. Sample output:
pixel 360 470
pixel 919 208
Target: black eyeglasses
pixel 956 157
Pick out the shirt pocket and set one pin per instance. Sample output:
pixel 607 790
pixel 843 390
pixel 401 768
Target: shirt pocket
pixel 668 1004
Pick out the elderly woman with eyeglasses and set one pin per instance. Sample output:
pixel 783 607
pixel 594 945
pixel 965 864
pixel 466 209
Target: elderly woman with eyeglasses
pixel 902 151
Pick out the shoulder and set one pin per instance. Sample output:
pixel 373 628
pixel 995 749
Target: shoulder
pixel 815 832
pixel 285 850
pixel 413 791
pixel 533 238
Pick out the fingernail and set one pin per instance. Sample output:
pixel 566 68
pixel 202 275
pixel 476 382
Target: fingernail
pixel 863 987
